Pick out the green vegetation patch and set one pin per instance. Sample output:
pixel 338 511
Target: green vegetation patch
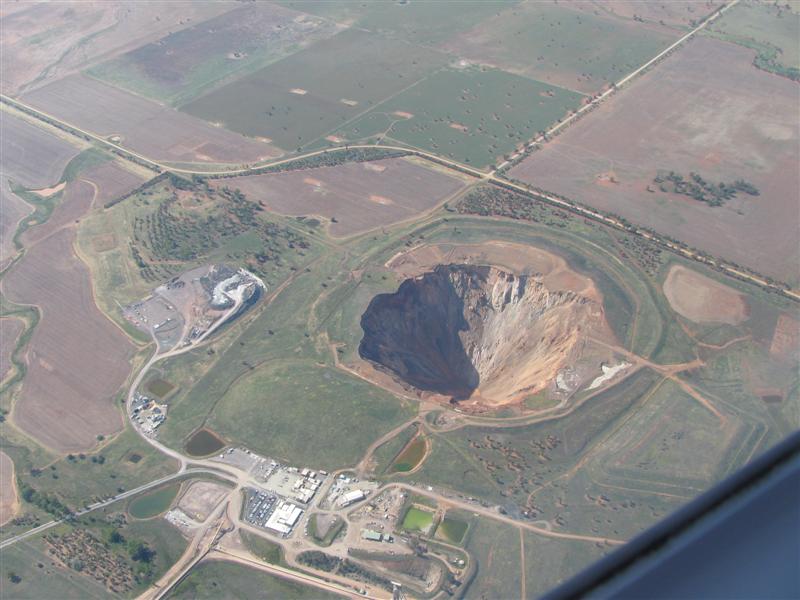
pixel 262 547
pixel 302 413
pixel 495 547
pixel 216 579
pixel 473 115
pixel 452 530
pixel 160 387
pixel 772 30
pixel 417 519
pixel 153 503
pixel 307 95
pixel 325 539
pixel 505 464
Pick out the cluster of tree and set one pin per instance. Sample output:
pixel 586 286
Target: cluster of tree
pixel 328 158
pixel 492 200
pixel 47 502
pixel 701 190
pixel 344 567
pixel 169 232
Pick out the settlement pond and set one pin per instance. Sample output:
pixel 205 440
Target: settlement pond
pixel 203 442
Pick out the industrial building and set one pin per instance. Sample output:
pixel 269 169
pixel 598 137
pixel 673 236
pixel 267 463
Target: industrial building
pixel 284 518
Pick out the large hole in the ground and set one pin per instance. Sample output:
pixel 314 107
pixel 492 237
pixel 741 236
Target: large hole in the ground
pixel 473 331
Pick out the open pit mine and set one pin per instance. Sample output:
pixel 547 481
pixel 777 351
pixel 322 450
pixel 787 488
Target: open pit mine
pixel 478 333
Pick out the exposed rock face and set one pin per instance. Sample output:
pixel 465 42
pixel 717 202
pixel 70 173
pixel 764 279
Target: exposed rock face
pixel 474 331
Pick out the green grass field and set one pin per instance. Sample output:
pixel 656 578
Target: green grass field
pixel 301 413
pixel 473 115
pixel 496 550
pixel 214 579
pixel 262 547
pixel 153 503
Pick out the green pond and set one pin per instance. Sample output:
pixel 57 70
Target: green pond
pixel 418 520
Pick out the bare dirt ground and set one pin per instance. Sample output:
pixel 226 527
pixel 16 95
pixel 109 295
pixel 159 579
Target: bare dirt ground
pixel 9 502
pixel 142 125
pixel 360 196
pixel 45 40
pixel 77 358
pixel 200 498
pixel 705 109
pixel 10 330
pixel 703 300
pixel 516 258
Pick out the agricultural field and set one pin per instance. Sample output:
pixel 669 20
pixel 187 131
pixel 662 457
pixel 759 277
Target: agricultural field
pixel 76 359
pixel 186 63
pixel 9 503
pixel 771 30
pixel 431 375
pixel 32 158
pixel 303 98
pixel 473 115
pixel 583 50
pixel 11 328
pixel 718 117
pixel 680 14
pixel 141 125
pixel 416 22
pixel 45 41
pixel 355 197
pixel 240 582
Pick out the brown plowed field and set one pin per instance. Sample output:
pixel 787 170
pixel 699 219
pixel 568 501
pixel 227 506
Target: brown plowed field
pixel 32 158
pixel 144 126
pixel 77 358
pixel 8 489
pixel 704 109
pixel 10 329
pixel 45 40
pixel 360 196
pixel 703 300
pixel 111 181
